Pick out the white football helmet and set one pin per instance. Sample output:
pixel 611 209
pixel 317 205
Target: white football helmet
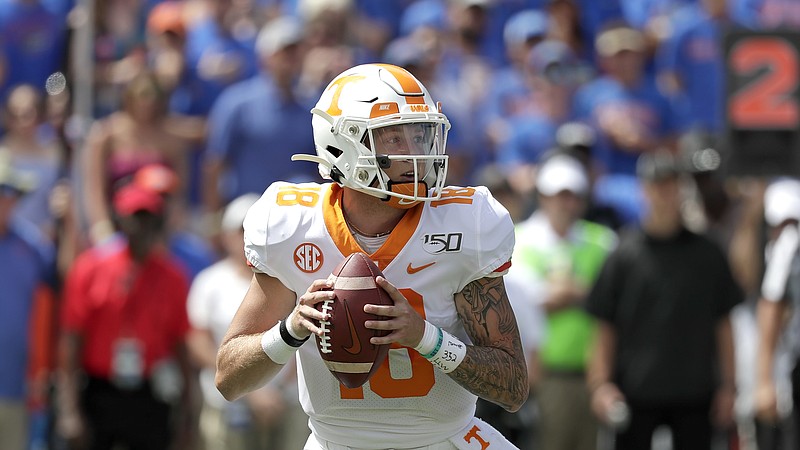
pixel 374 116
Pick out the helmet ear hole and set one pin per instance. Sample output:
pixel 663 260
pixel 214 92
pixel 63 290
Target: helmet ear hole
pixel 334 151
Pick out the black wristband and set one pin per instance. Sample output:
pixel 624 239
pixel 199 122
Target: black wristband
pixel 288 338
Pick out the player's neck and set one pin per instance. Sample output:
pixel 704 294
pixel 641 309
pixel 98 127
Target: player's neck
pixel 368 215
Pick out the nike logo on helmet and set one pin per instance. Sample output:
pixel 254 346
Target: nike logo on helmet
pixel 412 270
pixel 355 347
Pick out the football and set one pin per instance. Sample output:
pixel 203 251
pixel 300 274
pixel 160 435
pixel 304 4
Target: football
pixel 344 345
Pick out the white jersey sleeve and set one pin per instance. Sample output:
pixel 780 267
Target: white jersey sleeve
pixel 267 233
pixel 256 223
pixel 495 233
pixel 485 236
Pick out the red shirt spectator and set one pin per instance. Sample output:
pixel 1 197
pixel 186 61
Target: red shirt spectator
pixel 107 297
pixel 124 323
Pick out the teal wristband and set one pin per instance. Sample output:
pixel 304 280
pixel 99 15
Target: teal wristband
pixel 449 352
pixel 438 345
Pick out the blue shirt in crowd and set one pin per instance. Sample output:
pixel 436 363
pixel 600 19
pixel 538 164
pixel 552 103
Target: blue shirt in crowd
pixel 206 38
pixel 25 264
pixel 33 40
pixel 255 132
pixel 694 54
pixel 644 103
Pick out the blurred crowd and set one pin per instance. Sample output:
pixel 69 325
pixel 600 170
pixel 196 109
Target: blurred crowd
pixel 134 129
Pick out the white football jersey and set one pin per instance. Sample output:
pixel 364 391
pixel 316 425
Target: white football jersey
pixel 297 233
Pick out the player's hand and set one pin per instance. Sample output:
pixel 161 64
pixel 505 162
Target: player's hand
pixel 604 398
pixel 301 322
pixel 404 323
pixel 766 402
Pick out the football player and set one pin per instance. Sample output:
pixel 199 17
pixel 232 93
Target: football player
pixel 381 140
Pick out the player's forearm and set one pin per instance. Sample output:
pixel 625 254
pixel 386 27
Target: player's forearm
pixel 495 374
pixel 494 368
pixel 769 318
pixel 242 366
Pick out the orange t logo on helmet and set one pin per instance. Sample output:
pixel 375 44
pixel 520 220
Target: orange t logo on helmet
pixel 339 84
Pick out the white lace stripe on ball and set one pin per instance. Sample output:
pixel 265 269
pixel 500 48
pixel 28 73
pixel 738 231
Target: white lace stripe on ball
pixel 353 283
pixel 325 339
pixel 343 367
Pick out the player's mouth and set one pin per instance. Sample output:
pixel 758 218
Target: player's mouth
pixel 406 177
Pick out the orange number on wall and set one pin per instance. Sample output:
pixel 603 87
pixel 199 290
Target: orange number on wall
pixel 382 383
pixel 768 101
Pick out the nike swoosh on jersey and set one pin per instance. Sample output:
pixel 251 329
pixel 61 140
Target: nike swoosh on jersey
pixel 355 348
pixel 412 270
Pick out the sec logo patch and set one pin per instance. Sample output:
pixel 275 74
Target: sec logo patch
pixel 308 257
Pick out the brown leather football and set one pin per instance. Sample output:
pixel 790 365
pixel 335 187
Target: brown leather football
pixel 344 345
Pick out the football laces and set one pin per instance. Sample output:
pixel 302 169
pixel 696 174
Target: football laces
pixel 325 339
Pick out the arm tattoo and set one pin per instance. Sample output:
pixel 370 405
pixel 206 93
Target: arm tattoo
pixel 494 367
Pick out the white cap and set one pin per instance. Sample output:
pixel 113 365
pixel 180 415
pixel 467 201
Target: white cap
pixel 562 173
pixel 782 201
pixel 233 217
pixel 311 9
pixel 278 34
pixel 617 39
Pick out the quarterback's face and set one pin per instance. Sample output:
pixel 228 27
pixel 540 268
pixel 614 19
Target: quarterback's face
pixel 413 139
pixel 406 139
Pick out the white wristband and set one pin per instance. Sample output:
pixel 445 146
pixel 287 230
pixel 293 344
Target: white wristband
pixel 429 339
pixel 448 352
pixel 275 347
pixel 288 322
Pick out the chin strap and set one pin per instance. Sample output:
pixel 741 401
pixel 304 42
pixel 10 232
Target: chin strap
pixel 406 189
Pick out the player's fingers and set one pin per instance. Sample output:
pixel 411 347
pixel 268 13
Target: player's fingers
pixel 311 325
pixel 398 336
pixel 310 318
pixel 393 292
pixel 383 340
pixel 320 285
pixel 312 313
pixel 312 298
pixel 380 324
pixel 382 310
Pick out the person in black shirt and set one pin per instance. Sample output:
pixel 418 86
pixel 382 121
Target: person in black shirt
pixel 664 345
